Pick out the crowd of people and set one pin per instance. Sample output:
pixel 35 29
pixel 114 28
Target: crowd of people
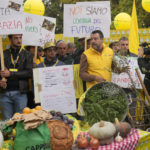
pixel 96 64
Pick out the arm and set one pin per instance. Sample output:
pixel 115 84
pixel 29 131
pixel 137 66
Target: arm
pixel 25 73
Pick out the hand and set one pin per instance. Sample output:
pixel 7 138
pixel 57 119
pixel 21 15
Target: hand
pixel 3 83
pixel 140 52
pixel 5 73
pixel 125 69
pixel 99 79
pixel 34 65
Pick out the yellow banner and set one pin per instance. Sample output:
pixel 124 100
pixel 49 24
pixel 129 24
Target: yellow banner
pixel 66 39
pixel 78 84
pixel 115 35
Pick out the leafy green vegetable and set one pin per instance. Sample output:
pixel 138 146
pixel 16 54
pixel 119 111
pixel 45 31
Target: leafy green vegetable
pixel 104 101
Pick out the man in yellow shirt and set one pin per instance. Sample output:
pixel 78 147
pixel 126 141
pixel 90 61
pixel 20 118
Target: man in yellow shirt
pixel 97 62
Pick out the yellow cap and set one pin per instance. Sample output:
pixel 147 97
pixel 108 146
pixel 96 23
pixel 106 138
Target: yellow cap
pixel 49 44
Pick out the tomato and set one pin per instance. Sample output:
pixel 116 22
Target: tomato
pixel 82 142
pixel 94 143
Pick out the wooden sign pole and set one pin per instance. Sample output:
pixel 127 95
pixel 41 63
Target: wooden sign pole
pixel 143 86
pixel 2 58
pixel 85 44
pixel 35 56
pixel 2 55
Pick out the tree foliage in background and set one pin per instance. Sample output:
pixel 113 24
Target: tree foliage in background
pixel 118 6
pixel 54 8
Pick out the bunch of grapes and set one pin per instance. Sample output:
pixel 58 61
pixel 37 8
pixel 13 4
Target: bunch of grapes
pixel 64 118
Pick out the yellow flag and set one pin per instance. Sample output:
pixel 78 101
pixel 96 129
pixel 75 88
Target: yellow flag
pixel 133 36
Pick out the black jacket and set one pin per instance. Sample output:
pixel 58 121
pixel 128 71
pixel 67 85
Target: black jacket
pixel 144 65
pixel 24 67
pixel 77 55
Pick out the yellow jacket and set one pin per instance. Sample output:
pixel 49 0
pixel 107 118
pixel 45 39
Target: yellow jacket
pixel 99 64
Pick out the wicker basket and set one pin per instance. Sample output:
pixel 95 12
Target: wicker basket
pixel 61 135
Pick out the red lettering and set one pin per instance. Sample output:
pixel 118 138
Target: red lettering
pixel 10 23
pixel 76 10
pixel 5 25
pixel 47 36
pixel 19 24
pixel 28 20
pixel 118 80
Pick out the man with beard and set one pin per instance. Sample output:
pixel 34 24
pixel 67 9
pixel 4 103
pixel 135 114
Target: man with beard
pixel 96 62
pixel 124 47
pixel 18 69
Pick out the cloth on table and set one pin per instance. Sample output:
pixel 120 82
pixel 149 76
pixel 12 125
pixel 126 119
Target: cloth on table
pixel 128 143
pixel 144 141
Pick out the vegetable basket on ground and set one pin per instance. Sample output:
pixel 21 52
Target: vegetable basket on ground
pixel 104 101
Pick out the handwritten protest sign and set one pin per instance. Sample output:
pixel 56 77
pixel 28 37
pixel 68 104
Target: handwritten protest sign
pixel 123 79
pixel 40 29
pixel 81 19
pixel 11 17
pixel 101 3
pixel 55 88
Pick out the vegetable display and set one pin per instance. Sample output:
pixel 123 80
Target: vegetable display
pixel 104 131
pixel 59 116
pixel 82 142
pixel 104 101
pixel 123 128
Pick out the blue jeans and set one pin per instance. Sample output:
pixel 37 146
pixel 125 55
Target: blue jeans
pixel 12 102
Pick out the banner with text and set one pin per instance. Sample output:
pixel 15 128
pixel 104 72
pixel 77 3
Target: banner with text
pixel 123 79
pixel 11 17
pixel 101 3
pixel 54 88
pixel 38 30
pixel 81 19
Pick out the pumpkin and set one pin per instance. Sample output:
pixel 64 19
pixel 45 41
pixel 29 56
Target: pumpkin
pixel 104 131
pixel 123 127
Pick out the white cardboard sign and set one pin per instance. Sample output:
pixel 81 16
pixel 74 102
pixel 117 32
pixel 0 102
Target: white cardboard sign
pixel 11 17
pixel 57 90
pixel 123 79
pixel 38 30
pixel 81 19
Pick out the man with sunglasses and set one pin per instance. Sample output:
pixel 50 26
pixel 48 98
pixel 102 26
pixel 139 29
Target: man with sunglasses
pixel 50 56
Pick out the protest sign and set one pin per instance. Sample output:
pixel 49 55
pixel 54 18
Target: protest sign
pixel 123 79
pixel 11 17
pixel 81 19
pixel 54 88
pixel 101 3
pixel 40 29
